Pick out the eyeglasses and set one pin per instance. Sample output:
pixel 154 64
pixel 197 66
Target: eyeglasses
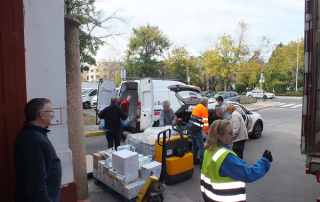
pixel 52 112
pixel 231 133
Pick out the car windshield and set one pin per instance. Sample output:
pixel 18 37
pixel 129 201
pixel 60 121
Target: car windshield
pixel 220 94
pixel 85 91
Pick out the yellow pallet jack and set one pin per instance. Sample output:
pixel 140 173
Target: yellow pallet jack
pixel 173 153
pixel 152 191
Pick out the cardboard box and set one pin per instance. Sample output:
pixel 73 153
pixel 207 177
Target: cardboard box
pixel 106 169
pixel 152 168
pixel 95 173
pixel 126 179
pixel 125 162
pixel 113 173
pixel 101 164
pixel 97 157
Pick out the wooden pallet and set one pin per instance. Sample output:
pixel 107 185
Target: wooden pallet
pixel 111 191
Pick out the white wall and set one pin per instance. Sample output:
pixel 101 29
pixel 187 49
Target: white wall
pixel 46 69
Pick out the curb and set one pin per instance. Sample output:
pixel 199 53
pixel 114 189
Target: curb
pixel 256 109
pixel 94 133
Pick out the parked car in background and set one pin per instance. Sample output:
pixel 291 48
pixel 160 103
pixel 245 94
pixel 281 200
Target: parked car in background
pixel 227 96
pixel 259 94
pixel 253 120
pixel 209 94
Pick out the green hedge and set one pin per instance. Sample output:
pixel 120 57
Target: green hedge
pixel 279 87
pixel 240 87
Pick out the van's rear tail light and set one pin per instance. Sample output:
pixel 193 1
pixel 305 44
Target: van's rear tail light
pixel 138 107
pixel 193 96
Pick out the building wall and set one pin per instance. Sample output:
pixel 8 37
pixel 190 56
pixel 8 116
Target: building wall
pixel 46 69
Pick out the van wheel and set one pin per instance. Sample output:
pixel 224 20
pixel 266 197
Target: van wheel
pixel 257 130
pixel 86 105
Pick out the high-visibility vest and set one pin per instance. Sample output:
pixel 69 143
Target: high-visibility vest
pixel 126 103
pixel 213 186
pixel 199 119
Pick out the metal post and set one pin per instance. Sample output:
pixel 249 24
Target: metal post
pixel 297 68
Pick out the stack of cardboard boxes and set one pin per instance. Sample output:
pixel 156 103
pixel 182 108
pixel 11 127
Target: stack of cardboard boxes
pixel 123 176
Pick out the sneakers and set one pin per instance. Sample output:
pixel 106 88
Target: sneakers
pixel 196 161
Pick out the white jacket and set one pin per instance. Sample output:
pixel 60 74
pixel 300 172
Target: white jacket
pixel 239 127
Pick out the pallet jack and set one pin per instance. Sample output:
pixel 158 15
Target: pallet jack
pixel 173 153
pixel 177 163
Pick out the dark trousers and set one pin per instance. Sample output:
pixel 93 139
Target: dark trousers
pixel 238 148
pixel 113 135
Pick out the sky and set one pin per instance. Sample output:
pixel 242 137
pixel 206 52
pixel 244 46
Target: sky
pixel 194 23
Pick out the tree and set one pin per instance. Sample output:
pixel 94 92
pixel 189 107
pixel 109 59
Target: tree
pixel 95 28
pixel 147 43
pixel 177 63
pixel 284 59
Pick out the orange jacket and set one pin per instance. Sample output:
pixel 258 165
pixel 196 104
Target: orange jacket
pixel 199 119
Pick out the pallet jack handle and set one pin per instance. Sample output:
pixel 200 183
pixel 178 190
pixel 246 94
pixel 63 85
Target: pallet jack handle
pixel 180 126
pixel 164 136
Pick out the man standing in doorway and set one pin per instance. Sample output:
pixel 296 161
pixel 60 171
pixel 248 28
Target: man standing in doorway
pixel 125 107
pixel 112 115
pixel 37 166
pixel 198 120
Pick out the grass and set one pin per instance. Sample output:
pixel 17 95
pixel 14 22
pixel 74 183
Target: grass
pixel 89 120
pixel 246 100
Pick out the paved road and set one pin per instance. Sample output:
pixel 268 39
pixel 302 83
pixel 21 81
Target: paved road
pixel 286 180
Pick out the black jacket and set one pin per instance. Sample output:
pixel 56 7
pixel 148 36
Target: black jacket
pixel 112 115
pixel 37 166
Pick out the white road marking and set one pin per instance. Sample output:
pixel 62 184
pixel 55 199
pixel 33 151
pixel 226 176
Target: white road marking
pixel 296 106
pixel 286 105
pixel 282 104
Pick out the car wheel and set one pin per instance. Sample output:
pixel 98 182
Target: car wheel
pixel 86 105
pixel 264 97
pixel 238 101
pixel 257 130
pixel 250 96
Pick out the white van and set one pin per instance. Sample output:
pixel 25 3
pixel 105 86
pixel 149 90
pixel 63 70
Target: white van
pixel 147 96
pixel 87 96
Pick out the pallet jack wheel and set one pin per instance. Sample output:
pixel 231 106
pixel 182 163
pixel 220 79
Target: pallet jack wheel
pixel 157 198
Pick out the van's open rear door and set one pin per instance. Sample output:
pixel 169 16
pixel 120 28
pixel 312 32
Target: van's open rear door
pixel 107 89
pixel 147 103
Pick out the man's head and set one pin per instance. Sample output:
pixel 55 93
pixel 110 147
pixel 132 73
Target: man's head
pixel 204 101
pixel 119 100
pixel 38 111
pixel 113 99
pixel 219 100
pixel 166 105
pixel 128 98
pixel 219 112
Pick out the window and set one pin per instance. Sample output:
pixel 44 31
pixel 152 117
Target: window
pixel 87 77
pixel 91 77
pixel 92 70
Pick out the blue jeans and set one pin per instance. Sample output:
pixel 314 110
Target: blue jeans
pixel 197 144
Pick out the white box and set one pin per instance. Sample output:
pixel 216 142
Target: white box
pixel 126 179
pixel 125 162
pixel 95 173
pixel 108 181
pixel 152 168
pixel 101 164
pixel 113 173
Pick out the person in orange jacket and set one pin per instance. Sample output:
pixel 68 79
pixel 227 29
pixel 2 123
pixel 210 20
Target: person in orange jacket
pixel 197 122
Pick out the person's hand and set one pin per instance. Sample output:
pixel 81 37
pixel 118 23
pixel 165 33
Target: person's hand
pixel 268 155
pixel 173 121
